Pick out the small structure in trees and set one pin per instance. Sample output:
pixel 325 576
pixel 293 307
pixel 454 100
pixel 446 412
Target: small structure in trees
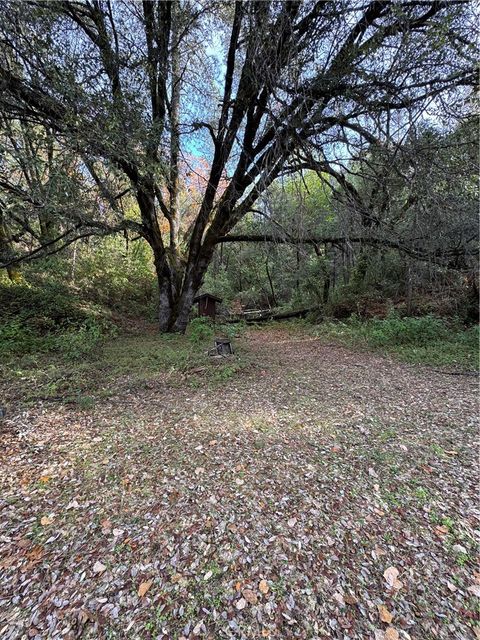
pixel 207 304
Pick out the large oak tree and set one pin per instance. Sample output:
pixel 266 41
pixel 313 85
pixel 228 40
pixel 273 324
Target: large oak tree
pixel 135 89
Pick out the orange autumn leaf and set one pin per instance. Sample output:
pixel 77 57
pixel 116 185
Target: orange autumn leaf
pixel 35 552
pixel 250 596
pixel 385 615
pixel 441 530
pixel 263 587
pixel 144 587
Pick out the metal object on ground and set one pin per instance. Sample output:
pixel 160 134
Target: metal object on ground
pixel 223 346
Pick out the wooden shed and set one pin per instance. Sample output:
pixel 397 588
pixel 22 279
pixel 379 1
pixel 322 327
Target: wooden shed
pixel 207 304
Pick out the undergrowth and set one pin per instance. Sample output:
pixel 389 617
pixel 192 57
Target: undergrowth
pixel 46 319
pixel 56 347
pixel 427 340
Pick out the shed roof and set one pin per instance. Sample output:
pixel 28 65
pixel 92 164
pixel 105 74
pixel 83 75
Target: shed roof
pixel 207 295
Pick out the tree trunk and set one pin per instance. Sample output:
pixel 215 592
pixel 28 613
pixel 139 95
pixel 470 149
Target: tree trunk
pixel 182 312
pixel 164 307
pixel 199 259
pixel 175 302
pixel 167 290
pixel 13 271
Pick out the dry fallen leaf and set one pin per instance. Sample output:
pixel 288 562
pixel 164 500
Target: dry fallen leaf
pixel 391 634
pixel 24 543
pixel 263 587
pixel 441 530
pixel 350 599
pixel 241 604
pixel 391 578
pixel 44 479
pixel 46 520
pixel 83 616
pixel 475 589
pixel 7 562
pixel 99 567
pixel 385 615
pixel 250 596
pixel 144 587
pixel 197 629
pixel 208 575
pixel 35 553
pixel 106 526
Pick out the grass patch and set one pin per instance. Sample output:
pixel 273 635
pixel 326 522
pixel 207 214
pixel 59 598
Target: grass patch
pixel 426 340
pixel 80 378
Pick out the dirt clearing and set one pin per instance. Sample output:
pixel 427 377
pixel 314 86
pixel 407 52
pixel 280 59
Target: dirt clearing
pixel 320 493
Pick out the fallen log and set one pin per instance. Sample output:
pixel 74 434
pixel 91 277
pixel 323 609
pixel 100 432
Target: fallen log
pixel 271 315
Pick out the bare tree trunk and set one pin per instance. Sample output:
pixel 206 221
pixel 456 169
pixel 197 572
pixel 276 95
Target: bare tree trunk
pixel 13 271
pixel 199 259
pixel 409 287
pixel 74 264
pixel 173 185
pixel 166 276
pixel 181 313
pixel 274 298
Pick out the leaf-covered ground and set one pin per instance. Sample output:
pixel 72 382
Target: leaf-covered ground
pixel 320 493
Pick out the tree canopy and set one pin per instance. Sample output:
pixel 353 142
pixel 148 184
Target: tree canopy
pixel 111 111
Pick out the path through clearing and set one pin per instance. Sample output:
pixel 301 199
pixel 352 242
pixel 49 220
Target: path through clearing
pixel 324 493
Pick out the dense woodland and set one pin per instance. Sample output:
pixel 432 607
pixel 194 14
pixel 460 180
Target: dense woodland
pixel 281 155
pixel 303 465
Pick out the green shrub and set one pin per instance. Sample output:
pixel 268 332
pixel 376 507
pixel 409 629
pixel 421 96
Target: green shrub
pixel 405 331
pixel 81 341
pixel 200 330
pixel 48 318
pixel 427 339
pixel 51 301
pixel 17 338
pixel 124 280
